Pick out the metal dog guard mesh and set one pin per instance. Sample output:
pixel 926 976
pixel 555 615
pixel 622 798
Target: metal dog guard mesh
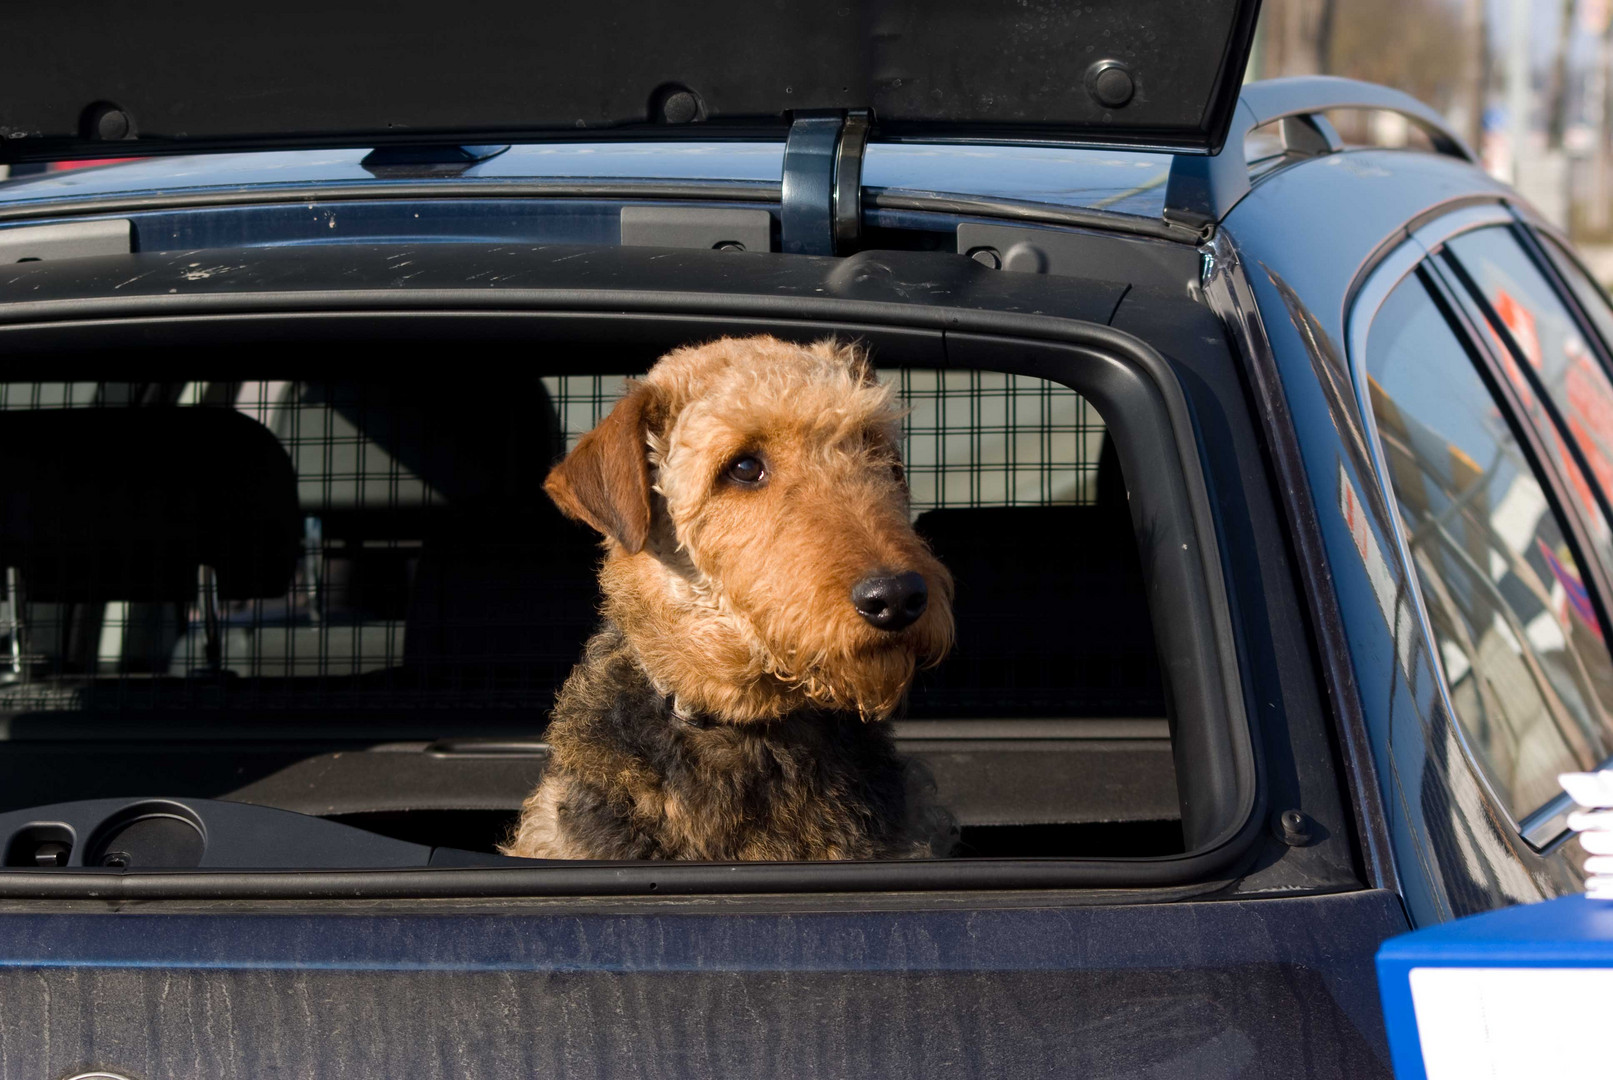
pixel 970 438
pixel 431 571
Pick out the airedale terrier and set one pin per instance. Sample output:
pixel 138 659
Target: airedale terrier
pixel 766 604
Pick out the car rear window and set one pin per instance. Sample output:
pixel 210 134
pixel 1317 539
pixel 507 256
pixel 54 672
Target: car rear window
pixel 416 563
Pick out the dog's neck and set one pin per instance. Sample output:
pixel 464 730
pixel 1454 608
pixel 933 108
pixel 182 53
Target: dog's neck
pixel 639 775
pixel 638 691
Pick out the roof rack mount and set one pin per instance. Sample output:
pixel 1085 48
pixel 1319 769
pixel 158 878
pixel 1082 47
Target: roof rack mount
pixel 1203 189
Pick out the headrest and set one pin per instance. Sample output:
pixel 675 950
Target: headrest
pixel 990 532
pixel 1052 614
pixel 127 503
pixel 1085 560
pixel 483 450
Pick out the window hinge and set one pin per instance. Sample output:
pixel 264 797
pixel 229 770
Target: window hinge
pixel 821 212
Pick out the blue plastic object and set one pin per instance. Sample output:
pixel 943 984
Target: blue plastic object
pixel 1497 970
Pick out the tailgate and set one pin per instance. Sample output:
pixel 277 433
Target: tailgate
pixel 1259 988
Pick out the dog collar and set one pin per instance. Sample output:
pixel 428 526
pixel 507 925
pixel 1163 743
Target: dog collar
pixel 687 717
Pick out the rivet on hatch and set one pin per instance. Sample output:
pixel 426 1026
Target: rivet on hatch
pixel 987 257
pixel 1110 83
pixel 106 122
pixel 1294 828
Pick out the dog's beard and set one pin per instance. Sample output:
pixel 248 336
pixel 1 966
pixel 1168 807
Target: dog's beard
pixel 867 675
pixel 739 665
pixel 872 683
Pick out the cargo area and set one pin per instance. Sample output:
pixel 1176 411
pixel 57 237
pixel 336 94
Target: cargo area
pixel 352 599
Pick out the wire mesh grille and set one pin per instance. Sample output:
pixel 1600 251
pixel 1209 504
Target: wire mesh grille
pixel 420 578
pixel 970 438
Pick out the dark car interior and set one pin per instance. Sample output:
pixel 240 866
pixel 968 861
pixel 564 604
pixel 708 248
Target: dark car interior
pixel 352 600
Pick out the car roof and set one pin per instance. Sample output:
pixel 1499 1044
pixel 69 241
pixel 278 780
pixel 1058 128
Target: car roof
pixel 1319 224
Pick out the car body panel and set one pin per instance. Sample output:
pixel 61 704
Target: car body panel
pixel 1456 856
pixel 1255 989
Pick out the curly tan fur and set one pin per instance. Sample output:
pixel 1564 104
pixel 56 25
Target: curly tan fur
pixel 731 706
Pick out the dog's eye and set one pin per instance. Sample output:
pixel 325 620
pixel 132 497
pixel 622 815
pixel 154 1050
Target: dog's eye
pixel 746 470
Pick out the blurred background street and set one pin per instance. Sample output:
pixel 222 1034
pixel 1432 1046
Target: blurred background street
pixel 1527 81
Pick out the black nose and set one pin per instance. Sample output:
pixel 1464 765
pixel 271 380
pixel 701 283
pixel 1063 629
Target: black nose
pixel 891 601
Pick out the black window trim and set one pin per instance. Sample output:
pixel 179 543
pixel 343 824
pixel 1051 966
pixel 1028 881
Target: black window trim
pixel 1418 256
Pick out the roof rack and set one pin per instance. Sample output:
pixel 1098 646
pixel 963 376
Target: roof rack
pixel 1203 188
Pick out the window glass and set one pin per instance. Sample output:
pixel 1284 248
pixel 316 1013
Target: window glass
pixel 1522 649
pixel 427 570
pixel 1534 318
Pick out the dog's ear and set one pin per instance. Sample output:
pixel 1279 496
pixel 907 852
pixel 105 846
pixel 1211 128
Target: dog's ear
pixel 861 364
pixel 850 353
pixel 605 481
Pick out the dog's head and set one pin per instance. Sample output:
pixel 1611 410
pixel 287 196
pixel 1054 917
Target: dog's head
pixel 759 553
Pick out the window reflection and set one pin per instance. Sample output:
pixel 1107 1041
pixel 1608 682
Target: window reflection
pixel 1517 634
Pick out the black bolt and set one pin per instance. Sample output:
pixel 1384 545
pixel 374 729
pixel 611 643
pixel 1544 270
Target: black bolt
pixel 112 125
pixel 680 107
pixel 728 245
pixel 1110 83
pixel 1294 828
pixel 51 853
pixel 986 256
pixel 117 860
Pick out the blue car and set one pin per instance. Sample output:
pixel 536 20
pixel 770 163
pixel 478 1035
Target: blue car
pixel 1274 472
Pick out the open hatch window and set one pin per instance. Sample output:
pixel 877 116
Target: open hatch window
pixel 365 576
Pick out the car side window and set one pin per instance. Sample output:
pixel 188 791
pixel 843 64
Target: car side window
pixel 1522 647
pixel 1529 314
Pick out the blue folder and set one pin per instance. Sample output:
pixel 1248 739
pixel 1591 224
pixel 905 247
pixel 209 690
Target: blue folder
pixel 1523 992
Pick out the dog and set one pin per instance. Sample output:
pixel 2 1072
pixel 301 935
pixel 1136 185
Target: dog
pixel 766 604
